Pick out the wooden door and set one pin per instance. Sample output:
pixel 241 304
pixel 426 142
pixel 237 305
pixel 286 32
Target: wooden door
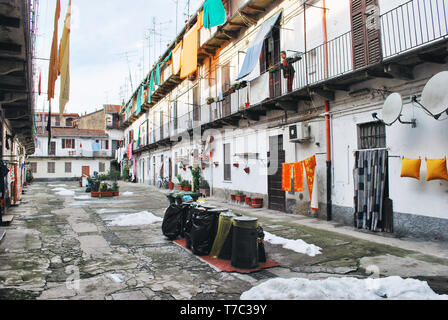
pixel 86 171
pixel 225 85
pixel 276 157
pixel 366 39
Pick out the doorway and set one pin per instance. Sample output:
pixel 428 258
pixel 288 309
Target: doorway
pixel 276 158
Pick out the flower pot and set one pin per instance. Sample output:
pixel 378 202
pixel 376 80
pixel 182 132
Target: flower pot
pixel 186 188
pixel 240 198
pixel 180 188
pixel 171 185
pixel 94 194
pixel 232 197
pixel 236 165
pixel 257 202
pixel 216 164
pixel 106 194
pixel 247 170
pixel 116 193
pixel 248 200
pixel 205 192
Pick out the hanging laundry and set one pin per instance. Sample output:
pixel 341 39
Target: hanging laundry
pixel 96 146
pixel 201 20
pixel 298 177
pixel 286 176
pixel 139 101
pixel 189 59
pixel 158 74
pixel 315 194
pixel 310 168
pixel 177 55
pixel 214 13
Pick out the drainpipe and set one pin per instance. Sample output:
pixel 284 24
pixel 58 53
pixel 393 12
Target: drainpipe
pixel 327 119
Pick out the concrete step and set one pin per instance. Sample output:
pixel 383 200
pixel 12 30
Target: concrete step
pixel 6 220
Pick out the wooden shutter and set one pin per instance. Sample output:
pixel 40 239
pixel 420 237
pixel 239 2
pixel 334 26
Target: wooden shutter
pixel 366 41
pixel 227 163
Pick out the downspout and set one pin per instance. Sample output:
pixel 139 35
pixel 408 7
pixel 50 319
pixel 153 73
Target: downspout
pixel 327 119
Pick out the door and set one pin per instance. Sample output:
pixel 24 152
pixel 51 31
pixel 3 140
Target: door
pixel 225 86
pixel 276 158
pixel 366 39
pixel 86 171
pixel 196 106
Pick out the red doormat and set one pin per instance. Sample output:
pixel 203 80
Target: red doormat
pixel 224 265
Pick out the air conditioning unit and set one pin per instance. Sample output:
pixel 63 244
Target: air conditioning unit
pixel 300 132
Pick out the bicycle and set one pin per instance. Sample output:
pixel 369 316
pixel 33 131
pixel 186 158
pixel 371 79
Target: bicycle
pixel 163 183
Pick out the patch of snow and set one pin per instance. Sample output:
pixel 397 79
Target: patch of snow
pixel 83 197
pixel 127 193
pixel 346 288
pixel 116 277
pixel 135 219
pixel 57 185
pixel 298 245
pixel 65 193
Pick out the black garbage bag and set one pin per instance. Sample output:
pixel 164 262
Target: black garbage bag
pixel 203 232
pixel 172 222
pixel 88 189
pixel 188 224
pixel 261 250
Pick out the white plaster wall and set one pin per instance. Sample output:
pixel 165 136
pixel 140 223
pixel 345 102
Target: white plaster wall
pixel 60 173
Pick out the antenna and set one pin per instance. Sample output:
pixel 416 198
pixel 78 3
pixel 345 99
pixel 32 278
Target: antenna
pixel 392 108
pixel 434 98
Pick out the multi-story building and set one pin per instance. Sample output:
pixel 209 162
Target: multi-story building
pixel 233 109
pixel 17 38
pixel 79 146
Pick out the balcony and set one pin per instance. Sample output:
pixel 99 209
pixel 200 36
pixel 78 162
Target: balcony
pixel 409 34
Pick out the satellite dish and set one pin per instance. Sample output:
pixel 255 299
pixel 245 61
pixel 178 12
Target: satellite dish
pixel 392 108
pixel 435 95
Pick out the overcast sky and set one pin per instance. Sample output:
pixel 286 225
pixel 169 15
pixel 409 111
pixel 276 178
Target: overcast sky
pixel 103 31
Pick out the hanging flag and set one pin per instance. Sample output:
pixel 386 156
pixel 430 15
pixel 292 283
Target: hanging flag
pixel 53 65
pixel 310 168
pixel 177 57
pixel 64 63
pixel 40 83
pixel 214 13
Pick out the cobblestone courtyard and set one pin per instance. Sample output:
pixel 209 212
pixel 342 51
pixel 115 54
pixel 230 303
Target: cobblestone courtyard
pixel 56 240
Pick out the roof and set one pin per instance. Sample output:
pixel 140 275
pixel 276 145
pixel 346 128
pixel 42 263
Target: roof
pixel 76 132
pixel 111 108
pixel 57 114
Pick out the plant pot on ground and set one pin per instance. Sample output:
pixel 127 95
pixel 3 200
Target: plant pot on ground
pixel 257 202
pixel 204 187
pixel 249 200
pixel 186 185
pixel 233 197
pixel 240 197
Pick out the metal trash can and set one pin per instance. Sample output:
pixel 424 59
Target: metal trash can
pixel 245 243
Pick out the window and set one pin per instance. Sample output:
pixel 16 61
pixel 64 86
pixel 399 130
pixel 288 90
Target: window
pixel 33 167
pixel 57 122
pixel 102 167
pixel 69 122
pixel 52 151
pixel 371 135
pixel 68 167
pixel 51 167
pixel 68 143
pixel 227 163
pixel 270 53
pixel 105 144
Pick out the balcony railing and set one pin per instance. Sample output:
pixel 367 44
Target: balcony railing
pixel 411 25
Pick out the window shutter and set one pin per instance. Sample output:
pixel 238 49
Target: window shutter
pixel 366 41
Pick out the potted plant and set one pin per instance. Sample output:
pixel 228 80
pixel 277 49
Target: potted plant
pixel 105 190
pixel 186 185
pixel 236 165
pixel 236 86
pixel 94 187
pixel 257 203
pixel 115 189
pixel 179 180
pixel 240 196
pixel 247 170
pixel 204 187
pixel 249 200
pixel 210 100
pixel 233 197
pixel 243 84
pixel 196 174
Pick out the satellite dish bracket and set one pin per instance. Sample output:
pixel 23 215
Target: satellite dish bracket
pixel 413 122
pixel 414 99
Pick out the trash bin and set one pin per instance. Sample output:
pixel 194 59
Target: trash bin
pixel 190 209
pixel 172 222
pixel 202 230
pixel 222 234
pixel 245 243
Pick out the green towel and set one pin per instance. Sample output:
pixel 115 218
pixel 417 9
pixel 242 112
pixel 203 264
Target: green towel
pixel 214 13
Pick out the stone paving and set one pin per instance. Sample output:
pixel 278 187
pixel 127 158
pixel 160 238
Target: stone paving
pixel 62 247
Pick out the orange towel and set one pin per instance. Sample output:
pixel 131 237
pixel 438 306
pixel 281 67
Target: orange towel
pixel 286 176
pixel 298 177
pixel 189 60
